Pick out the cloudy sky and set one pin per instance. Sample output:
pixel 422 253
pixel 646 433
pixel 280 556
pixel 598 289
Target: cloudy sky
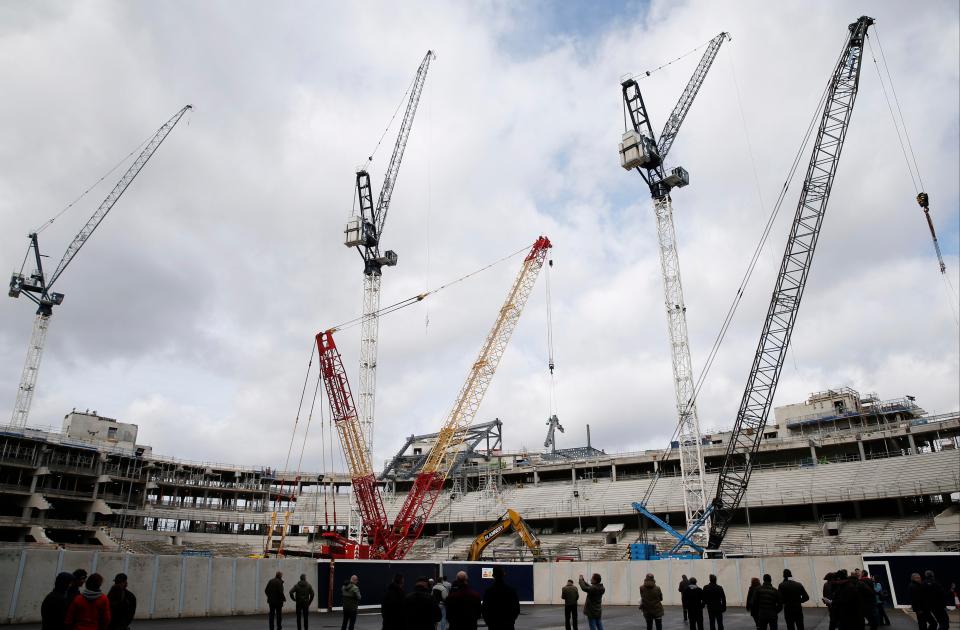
pixel 192 309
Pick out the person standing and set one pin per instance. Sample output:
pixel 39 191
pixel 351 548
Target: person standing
pixel 651 602
pixel 593 606
pixel 123 603
pixel 936 600
pixel 793 595
pixel 391 609
pixel 275 599
pixel 350 594
pixel 847 602
pixel 501 605
pixel 868 599
pixel 882 617
pixel 79 578
pixel 918 602
pixel 571 595
pixel 692 600
pixel 302 596
pixel 440 591
pixel 90 609
pixel 420 610
pixel 684 582
pixel 716 601
pixel 53 610
pixel 464 605
pixel 767 604
pixel 751 595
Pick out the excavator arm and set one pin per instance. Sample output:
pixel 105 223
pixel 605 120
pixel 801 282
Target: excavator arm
pixel 511 521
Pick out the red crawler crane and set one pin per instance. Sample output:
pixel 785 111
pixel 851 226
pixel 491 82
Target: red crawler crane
pixel 393 542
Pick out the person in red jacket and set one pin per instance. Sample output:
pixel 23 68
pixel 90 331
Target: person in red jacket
pixel 90 609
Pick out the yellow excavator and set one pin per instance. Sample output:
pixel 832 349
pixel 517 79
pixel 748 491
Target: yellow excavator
pixel 509 521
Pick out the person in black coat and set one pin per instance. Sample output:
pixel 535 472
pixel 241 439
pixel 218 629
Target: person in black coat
pixel 767 604
pixel 692 600
pixel 123 604
pixel 501 606
pixel 936 600
pixel 391 608
pixel 420 608
pixel 716 601
pixel 847 602
pixel 464 605
pixel 684 582
pixel 793 595
pixel 53 610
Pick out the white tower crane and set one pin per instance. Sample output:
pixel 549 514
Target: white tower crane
pixel 364 233
pixel 640 150
pixel 37 288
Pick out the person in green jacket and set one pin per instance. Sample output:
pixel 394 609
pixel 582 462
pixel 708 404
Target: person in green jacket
pixel 651 602
pixel 302 596
pixel 592 607
pixel 351 601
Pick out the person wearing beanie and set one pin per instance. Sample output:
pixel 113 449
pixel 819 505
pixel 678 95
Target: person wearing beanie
pixel 123 603
pixel 90 609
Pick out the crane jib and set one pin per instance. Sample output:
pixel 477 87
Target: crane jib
pixel 744 444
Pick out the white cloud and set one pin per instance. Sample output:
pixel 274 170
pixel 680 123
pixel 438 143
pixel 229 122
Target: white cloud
pixel 192 309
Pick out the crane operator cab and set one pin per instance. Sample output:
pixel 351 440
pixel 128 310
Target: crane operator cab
pixel 638 151
pixel 360 233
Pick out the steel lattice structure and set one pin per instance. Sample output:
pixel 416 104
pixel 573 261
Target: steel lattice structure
pixel 764 374
pixel 648 160
pixel 37 284
pixel 364 233
pixel 394 541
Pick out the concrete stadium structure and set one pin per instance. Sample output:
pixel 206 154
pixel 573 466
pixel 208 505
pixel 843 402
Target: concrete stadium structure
pixel 840 473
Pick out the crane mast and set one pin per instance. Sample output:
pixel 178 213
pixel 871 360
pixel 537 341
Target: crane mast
pixel 640 150
pixel 364 233
pixel 344 414
pixel 38 289
pixel 426 489
pixel 768 361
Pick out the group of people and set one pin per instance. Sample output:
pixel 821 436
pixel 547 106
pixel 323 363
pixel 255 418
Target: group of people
pixel 440 604
pixel 78 603
pixel 929 601
pixel 301 594
pixel 592 606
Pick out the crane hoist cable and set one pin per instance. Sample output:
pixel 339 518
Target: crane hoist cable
pixel 410 301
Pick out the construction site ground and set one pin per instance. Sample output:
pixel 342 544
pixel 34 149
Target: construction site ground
pixel 531 618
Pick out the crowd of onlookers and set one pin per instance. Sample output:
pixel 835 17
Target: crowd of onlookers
pixel 77 602
pixel 854 600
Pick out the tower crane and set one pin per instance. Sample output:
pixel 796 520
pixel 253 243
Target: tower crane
pixel 427 486
pixel 37 287
pixel 744 444
pixel 364 232
pixel 641 150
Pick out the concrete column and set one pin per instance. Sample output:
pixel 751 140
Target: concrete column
pixel 613 472
pixel 96 491
pixel 536 477
pixel 913 445
pixel 573 474
pixel 813 453
pixel 816 512
pixel 656 466
pixel 900 510
pixel 863 455
pixel 856 509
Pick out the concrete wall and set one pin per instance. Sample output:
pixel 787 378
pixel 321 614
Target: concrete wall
pixel 623 579
pixel 165 586
pixel 190 586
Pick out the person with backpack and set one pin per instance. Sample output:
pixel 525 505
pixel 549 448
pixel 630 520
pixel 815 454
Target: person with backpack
pixel 440 591
pixel 302 596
